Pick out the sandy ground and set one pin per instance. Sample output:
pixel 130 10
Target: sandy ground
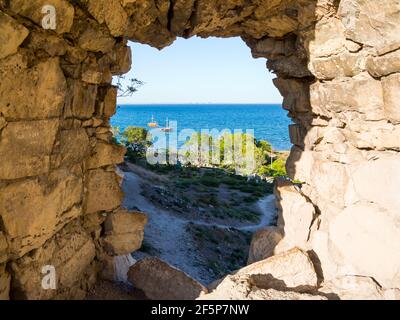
pixel 167 233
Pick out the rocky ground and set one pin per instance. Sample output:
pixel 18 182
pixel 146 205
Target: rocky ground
pixel 205 247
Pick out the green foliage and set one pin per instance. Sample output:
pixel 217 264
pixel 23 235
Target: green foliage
pixel 278 168
pixel 136 140
pixel 210 181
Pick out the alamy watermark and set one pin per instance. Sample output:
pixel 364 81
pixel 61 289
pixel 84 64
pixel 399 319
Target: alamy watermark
pixel 206 148
pixel 49 20
pixel 49 279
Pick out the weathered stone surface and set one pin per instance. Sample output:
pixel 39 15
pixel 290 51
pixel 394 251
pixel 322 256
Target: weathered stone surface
pixel 366 21
pixel 160 281
pixel 292 269
pixel 384 171
pixel 110 102
pixel 4 283
pixel 33 210
pixel 103 191
pixel 348 94
pixel 49 43
pixel 354 288
pixel 362 246
pixel 74 146
pixel 391 94
pixel 96 41
pixel 122 60
pixel 106 154
pixel 124 232
pixel 341 65
pixel 112 13
pixel 34 11
pixel 71 252
pixel 246 287
pixel 38 93
pixel 12 35
pixel 3 248
pixel 263 244
pixel 81 100
pixel 327 40
pixel 117 268
pixel 295 93
pixel 25 148
pixel 384 65
pixel 295 215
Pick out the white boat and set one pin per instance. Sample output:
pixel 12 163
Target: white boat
pixel 167 127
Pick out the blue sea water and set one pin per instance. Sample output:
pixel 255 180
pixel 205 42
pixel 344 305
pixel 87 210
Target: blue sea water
pixel 269 121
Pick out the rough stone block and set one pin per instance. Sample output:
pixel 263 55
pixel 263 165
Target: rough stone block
pixel 25 148
pixel 12 35
pixel 106 154
pixel 391 96
pixel 160 281
pixel 70 252
pixel 124 232
pixel 37 93
pixel 33 10
pixel 103 191
pixel 33 210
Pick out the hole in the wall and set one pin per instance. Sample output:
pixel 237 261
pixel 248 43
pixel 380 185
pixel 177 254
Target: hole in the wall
pixel 206 214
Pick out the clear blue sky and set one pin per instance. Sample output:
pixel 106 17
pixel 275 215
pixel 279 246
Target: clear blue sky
pixel 196 70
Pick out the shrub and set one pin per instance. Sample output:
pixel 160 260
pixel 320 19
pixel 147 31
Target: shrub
pixel 210 181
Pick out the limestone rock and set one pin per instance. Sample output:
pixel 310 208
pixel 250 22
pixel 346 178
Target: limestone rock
pixel 365 21
pixel 42 208
pixel 124 232
pixel 296 215
pixel 291 270
pixel 328 38
pixel 3 248
pixel 103 191
pixel 117 268
pixel 110 102
pixel 96 40
pixel 34 11
pixel 71 253
pixel 160 281
pixel 106 154
pixel 344 64
pixel 122 60
pixel 348 94
pixel 384 65
pixel 391 93
pixel 246 287
pixel 354 288
pixel 25 148
pixel 81 100
pixel 112 13
pixel 263 244
pixel 295 93
pixel 51 44
pixel 45 86
pixel 362 246
pixel 12 35
pixel 74 146
pixel 4 283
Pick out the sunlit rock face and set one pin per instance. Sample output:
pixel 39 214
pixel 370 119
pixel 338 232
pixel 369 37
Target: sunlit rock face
pixel 337 67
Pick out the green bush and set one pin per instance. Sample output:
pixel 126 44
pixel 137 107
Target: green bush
pixel 210 181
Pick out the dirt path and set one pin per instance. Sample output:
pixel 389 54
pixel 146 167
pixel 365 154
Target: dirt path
pixel 167 233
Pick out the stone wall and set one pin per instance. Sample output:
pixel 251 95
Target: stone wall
pixel 337 66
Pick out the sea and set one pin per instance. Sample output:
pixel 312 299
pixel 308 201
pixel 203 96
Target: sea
pixel 269 121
